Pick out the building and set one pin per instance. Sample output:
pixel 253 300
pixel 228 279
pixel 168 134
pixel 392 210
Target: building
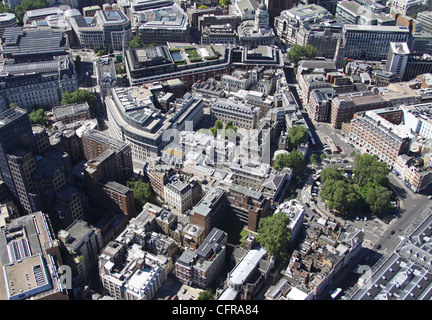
pixel 219 34
pixel 379 136
pixel 404 274
pixel 7 20
pixel 406 7
pixel 97 145
pixel 145 128
pixel 15 132
pixel 288 23
pixel 107 28
pixel 179 195
pixel 71 113
pixel 130 273
pixel 397 58
pixel 357 39
pixel 117 197
pixel 160 63
pixel 320 103
pixel 274 7
pixel 295 211
pixel 202 266
pixel 425 18
pixel 256 32
pixel 345 106
pixel 352 12
pixel 30 258
pixel 241 113
pixel 246 206
pixel 40 14
pixel 81 245
pixel 163 24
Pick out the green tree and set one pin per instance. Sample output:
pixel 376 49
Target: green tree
pixel 341 196
pixel 143 192
pixel 13 105
pixel 224 3
pixel 205 295
pixel 201 7
pixel 27 5
pixel 296 136
pixel 136 42
pixel 368 168
pixel 331 174
pixel 274 236
pixel 299 52
pixel 218 124
pixel 38 117
pixel 378 198
pixel 292 160
pixel 322 156
pixel 78 96
pixel 313 158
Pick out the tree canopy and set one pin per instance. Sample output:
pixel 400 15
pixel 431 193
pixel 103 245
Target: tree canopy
pixel 299 52
pixel 365 191
pixel 292 160
pixel 297 135
pixel 274 235
pixel 38 117
pixel 143 192
pixel 136 42
pixel 368 168
pixel 78 96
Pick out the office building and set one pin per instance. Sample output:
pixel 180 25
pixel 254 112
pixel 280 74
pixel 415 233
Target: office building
pixel 404 274
pixel 97 145
pixel 345 106
pixel 71 113
pixel 397 58
pixel 357 40
pixel 425 18
pixel 141 125
pixel 351 12
pixel 406 7
pixel 290 22
pixel 241 113
pixel 219 34
pixel 81 246
pixel 30 259
pixel 160 22
pixel 160 63
pixel 202 266
pixel 128 272
pixel 108 28
pixel 116 197
pixel 274 7
pixel 7 20
pixel 246 206
pixel 179 195
pixel 378 136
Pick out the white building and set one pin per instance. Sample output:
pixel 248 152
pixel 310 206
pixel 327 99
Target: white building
pixel 240 113
pixel 106 28
pixel 295 211
pixel 178 195
pixel 397 58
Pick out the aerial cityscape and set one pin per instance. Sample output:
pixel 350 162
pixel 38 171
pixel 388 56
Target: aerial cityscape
pixel 226 150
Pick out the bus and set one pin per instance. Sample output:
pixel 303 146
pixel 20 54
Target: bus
pixel 336 293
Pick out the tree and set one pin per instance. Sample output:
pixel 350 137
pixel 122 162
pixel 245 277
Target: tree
pixel 218 124
pixel 368 168
pixel 143 192
pixel 78 96
pixel 224 3
pixel 331 174
pixel 299 52
pixel 377 197
pixel 292 160
pixel 322 156
pixel 341 196
pixel 38 117
pixel 201 7
pixel 297 135
pixel 13 105
pixel 313 158
pixel 205 295
pixel 274 236
pixel 136 42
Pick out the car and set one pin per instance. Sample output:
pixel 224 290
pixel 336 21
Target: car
pixel 378 246
pixel 183 291
pixel 339 149
pixel 392 232
pixel 430 197
pixel 307 204
pixel 313 210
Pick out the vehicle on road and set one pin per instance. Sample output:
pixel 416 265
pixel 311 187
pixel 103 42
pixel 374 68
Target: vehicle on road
pixel 392 232
pixel 378 246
